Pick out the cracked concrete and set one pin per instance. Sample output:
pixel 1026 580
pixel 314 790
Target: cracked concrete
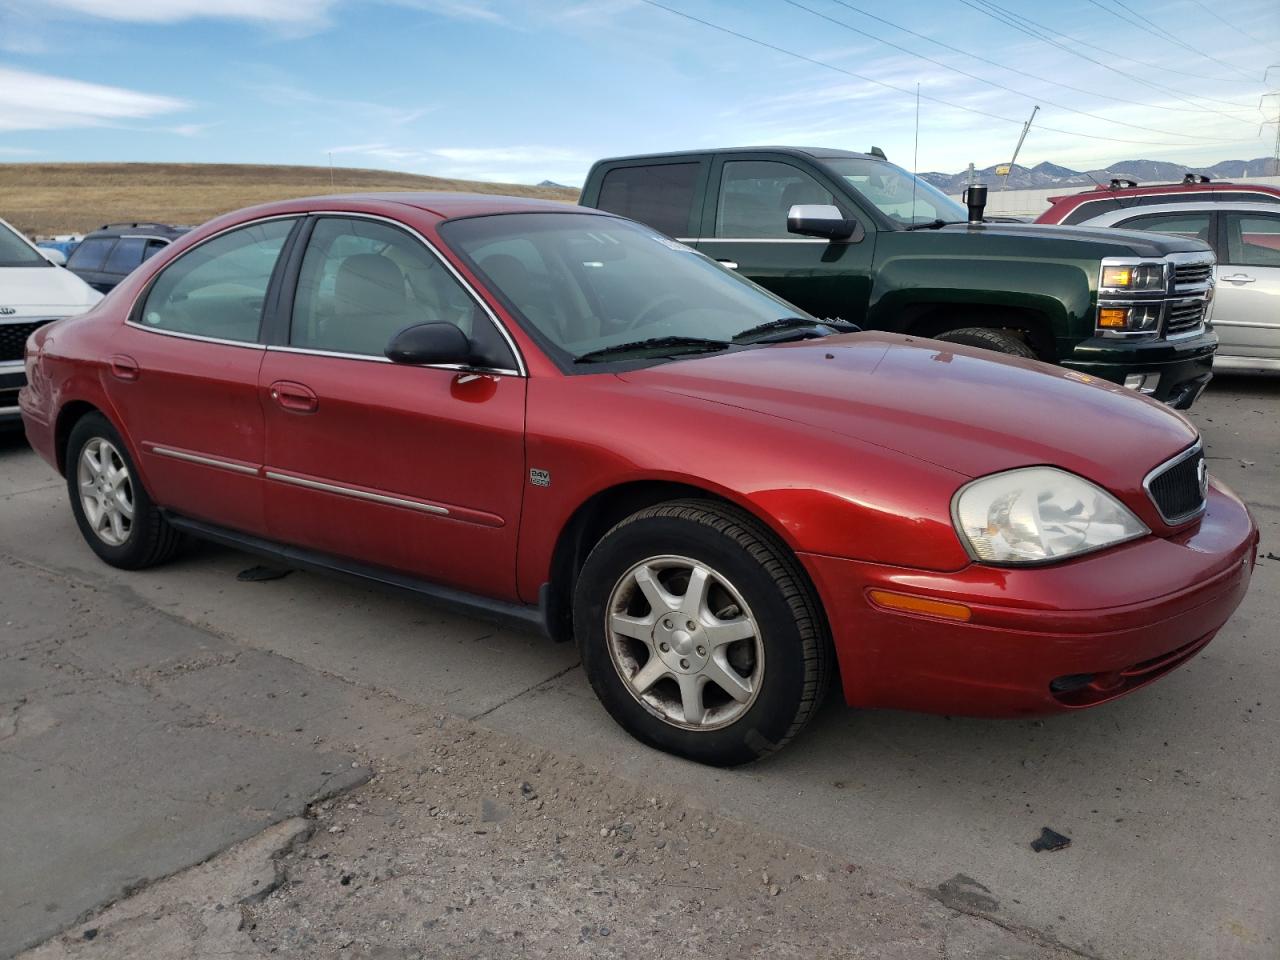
pixel 191 685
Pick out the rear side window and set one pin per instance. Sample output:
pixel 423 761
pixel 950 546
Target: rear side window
pixel 660 195
pixel 1193 226
pixel 756 195
pixel 217 289
pixel 154 247
pixel 126 255
pixel 1253 240
pixel 91 253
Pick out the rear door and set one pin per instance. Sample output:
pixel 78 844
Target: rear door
pixel 184 375
pixel 88 261
pixel 745 228
pixel 416 469
pixel 1247 309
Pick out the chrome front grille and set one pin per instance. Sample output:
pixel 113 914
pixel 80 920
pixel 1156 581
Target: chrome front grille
pixel 1183 315
pixel 1179 486
pixel 1186 274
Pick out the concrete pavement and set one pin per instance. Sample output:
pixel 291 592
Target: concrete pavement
pixel 1170 795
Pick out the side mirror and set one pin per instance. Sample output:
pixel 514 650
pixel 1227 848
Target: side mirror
pixel 53 255
pixel 430 343
pixel 823 220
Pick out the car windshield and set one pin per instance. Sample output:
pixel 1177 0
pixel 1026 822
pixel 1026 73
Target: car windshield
pixel 903 198
pixel 589 284
pixel 16 252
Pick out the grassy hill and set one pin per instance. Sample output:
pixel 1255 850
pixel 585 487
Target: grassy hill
pixel 49 198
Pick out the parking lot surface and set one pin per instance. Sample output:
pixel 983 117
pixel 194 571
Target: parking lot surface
pixel 149 720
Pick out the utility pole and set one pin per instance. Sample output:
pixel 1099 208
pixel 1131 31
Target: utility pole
pixel 1275 160
pixel 1016 150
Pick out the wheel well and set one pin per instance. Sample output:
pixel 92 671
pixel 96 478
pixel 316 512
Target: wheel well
pixel 68 416
pixel 591 521
pixel 1034 327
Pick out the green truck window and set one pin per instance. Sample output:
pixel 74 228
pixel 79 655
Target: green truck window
pixel 755 196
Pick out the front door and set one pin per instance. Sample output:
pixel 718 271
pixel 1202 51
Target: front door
pixel 748 232
pixel 1246 311
pixel 184 376
pixel 416 469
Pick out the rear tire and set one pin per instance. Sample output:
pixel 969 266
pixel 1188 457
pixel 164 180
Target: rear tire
pixel 115 515
pixel 1001 341
pixel 700 633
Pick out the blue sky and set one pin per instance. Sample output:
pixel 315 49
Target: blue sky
pixel 526 91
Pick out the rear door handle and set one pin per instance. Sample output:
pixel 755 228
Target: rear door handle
pixel 1240 278
pixel 728 263
pixel 294 397
pixel 124 368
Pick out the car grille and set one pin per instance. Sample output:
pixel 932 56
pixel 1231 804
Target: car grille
pixel 1175 487
pixel 13 339
pixel 1185 274
pixel 1183 315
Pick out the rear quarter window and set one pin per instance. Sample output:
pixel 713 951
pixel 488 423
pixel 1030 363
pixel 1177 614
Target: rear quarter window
pixel 91 254
pixel 660 195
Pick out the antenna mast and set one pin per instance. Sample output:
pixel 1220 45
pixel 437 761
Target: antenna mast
pixel 1016 150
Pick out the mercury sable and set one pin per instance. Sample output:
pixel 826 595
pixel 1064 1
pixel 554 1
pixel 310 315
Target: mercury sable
pixel 561 417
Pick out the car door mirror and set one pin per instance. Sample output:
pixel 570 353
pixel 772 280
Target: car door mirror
pixel 823 220
pixel 54 256
pixel 430 343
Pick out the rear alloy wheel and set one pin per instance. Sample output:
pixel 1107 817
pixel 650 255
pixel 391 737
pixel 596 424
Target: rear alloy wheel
pixel 111 507
pixel 1001 341
pixel 700 633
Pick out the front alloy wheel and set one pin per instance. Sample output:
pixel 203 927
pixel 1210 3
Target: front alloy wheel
pixel 685 642
pixel 700 632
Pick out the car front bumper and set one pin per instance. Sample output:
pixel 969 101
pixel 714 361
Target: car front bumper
pixel 1042 639
pixel 13 378
pixel 1184 366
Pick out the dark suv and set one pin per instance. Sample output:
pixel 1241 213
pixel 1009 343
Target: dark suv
pixel 108 255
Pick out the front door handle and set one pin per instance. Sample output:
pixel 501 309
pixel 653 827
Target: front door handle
pixel 1240 278
pixel 295 397
pixel 728 263
pixel 123 368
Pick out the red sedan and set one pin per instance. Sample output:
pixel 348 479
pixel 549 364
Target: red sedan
pixel 561 417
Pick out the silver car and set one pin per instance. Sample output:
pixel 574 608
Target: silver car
pixel 1246 239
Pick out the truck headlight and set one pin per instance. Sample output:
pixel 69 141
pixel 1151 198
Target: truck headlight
pixel 1038 515
pixel 1129 318
pixel 1135 277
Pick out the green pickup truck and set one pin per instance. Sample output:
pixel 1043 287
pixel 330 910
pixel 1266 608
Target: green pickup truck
pixel 851 235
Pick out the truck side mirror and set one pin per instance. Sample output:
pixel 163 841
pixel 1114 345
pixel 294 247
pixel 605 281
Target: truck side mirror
pixel 823 220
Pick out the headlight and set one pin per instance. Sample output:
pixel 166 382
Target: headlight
pixel 1039 514
pixel 1135 277
pixel 1138 318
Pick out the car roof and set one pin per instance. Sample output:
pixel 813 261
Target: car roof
pixel 817 153
pixel 144 228
pixel 1198 206
pixel 444 205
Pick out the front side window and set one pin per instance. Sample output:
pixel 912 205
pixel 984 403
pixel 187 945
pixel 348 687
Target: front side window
pixel 91 254
pixel 903 198
pixel 756 195
pixel 126 255
pixel 584 283
pixel 363 281
pixel 1192 226
pixel 218 288
pixel 660 195
pixel 16 252
pixel 1253 240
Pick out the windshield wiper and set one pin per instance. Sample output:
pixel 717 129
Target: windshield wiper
pixel 669 346
pixel 930 225
pixel 792 328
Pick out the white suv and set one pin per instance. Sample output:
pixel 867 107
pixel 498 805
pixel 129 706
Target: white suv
pixel 33 291
pixel 1246 239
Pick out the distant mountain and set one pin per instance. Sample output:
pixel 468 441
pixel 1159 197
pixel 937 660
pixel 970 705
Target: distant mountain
pixel 1044 176
pixel 552 183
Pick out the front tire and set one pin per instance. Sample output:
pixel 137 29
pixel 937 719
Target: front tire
pixel 112 509
pixel 700 633
pixel 1001 341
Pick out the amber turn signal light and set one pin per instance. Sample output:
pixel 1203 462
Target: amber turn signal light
pixel 1111 318
pixel 911 604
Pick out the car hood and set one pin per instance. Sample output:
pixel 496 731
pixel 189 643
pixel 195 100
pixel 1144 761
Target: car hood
pixel 1140 242
pixel 43 292
pixel 965 409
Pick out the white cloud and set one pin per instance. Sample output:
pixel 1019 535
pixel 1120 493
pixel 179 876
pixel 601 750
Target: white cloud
pixel 35 101
pixel 173 11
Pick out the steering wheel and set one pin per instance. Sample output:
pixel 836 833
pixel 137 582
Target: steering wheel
pixel 670 300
